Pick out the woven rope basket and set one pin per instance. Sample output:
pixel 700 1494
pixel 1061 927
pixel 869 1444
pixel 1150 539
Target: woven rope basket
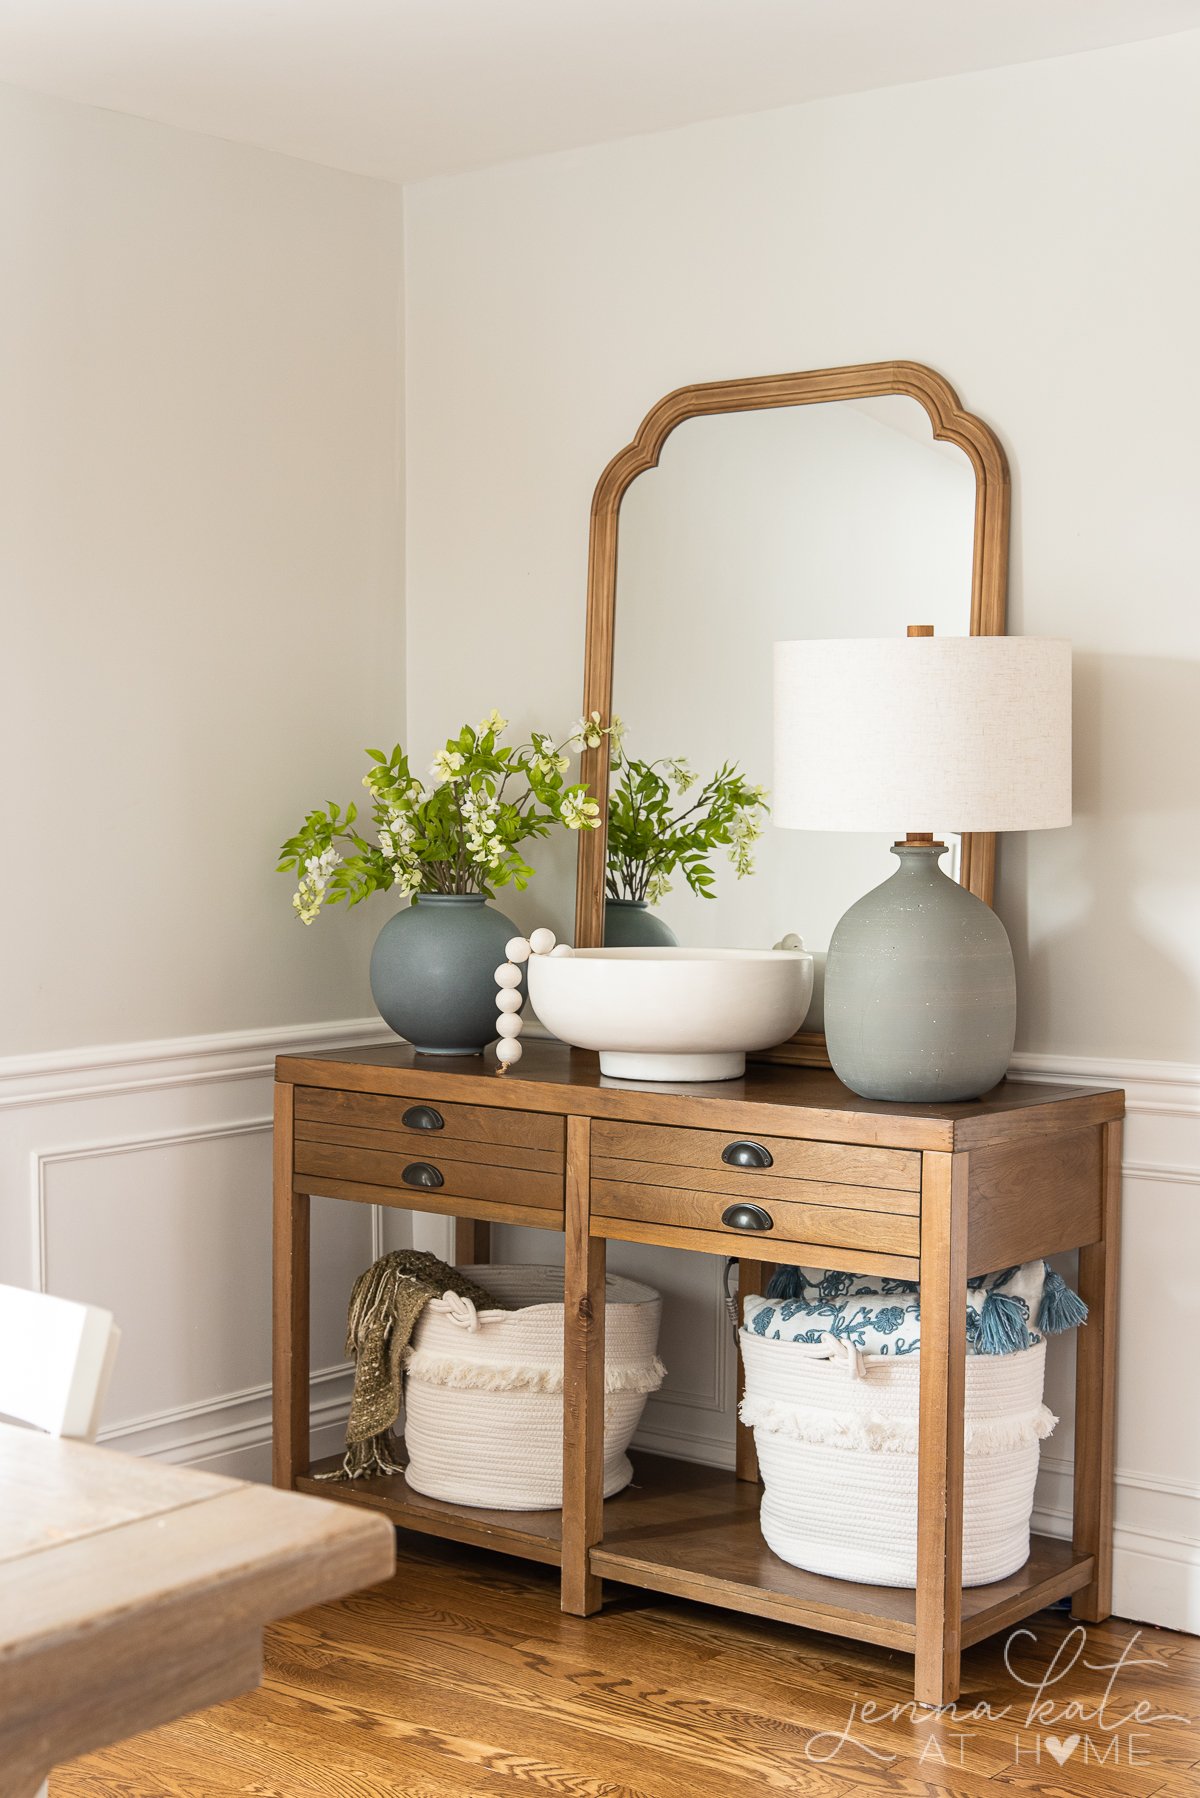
pixel 836 1434
pixel 483 1390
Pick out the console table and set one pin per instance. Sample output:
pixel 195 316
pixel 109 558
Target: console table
pixel 938 1191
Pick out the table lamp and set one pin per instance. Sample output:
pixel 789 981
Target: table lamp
pixel 961 733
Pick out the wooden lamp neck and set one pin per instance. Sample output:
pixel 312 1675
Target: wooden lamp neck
pixel 918 837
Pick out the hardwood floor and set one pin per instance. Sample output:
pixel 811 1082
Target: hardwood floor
pixel 462 1677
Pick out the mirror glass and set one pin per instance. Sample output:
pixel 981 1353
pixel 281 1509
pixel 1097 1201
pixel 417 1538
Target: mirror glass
pixel 831 520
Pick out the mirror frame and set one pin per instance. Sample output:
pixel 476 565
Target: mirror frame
pixel 989 577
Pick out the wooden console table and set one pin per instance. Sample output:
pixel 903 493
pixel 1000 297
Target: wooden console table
pixel 939 1191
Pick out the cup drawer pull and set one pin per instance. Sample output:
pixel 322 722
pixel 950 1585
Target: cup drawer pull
pixel 419 1173
pixel 747 1217
pixel 423 1117
pixel 746 1154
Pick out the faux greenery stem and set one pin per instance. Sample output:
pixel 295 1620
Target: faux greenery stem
pixel 460 834
pixel 650 837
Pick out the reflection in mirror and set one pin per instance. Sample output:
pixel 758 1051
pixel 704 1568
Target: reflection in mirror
pixel 831 520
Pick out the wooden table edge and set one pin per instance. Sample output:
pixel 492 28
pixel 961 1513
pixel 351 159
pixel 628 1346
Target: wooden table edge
pixel 700 1107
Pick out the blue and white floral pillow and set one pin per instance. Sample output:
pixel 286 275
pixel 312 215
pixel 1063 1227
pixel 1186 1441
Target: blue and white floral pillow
pixel 1006 1311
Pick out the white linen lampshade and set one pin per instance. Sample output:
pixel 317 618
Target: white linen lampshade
pixel 910 735
pixel 923 733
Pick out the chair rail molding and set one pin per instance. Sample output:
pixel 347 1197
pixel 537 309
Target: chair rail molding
pixel 113 1068
pixel 1163 1088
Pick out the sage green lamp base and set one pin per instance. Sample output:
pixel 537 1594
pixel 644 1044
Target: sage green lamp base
pixel 920 989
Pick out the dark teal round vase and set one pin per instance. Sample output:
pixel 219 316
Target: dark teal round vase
pixel 433 972
pixel 630 924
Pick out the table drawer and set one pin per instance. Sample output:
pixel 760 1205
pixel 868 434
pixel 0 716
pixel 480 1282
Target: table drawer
pixel 731 1215
pixel 431 1177
pixel 840 1174
pixel 477 1132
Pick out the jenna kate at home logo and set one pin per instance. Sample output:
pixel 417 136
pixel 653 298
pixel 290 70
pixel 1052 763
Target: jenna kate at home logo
pixel 1107 1728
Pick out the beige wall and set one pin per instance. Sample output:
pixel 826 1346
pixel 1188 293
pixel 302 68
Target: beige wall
pixel 1030 233
pixel 202 619
pixel 200 557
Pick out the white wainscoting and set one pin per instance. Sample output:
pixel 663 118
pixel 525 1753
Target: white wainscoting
pixel 138 1177
pixel 1156 1561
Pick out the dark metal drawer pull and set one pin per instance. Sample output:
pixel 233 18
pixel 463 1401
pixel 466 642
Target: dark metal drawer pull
pixel 419 1173
pixel 746 1154
pixel 747 1217
pixel 423 1117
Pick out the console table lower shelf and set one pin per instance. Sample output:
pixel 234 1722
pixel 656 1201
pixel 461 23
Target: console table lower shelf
pixel 692 1531
pixel 782 1166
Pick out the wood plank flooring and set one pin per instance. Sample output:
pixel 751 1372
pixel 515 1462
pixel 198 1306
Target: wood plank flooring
pixel 461 1678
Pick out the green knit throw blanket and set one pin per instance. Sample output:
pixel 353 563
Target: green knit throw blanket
pixel 385 1304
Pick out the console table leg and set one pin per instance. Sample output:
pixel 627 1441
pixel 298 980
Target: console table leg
pixel 290 1306
pixel 940 1445
pixel 752 1278
pixel 1096 1392
pixel 583 1382
pixel 472 1242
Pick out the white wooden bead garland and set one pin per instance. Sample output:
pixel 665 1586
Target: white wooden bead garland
pixel 518 949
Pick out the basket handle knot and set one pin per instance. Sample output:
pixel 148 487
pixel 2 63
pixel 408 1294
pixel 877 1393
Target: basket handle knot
pixel 837 1348
pixel 831 1349
pixel 460 1311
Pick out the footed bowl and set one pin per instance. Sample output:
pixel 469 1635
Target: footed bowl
pixel 672 1014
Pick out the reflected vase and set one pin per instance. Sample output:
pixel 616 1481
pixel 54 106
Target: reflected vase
pixel 630 924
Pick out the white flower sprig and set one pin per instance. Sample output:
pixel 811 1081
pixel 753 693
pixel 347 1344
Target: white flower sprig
pixel 459 834
pixel 589 733
pixel 310 893
pixel 579 812
pixel 447 765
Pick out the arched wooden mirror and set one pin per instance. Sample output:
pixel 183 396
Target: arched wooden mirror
pixel 834 503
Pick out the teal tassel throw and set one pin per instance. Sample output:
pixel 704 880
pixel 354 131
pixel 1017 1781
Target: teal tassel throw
pixel 786 1283
pixel 1003 1325
pixel 1061 1308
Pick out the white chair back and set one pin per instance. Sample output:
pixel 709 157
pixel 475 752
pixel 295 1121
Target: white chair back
pixel 56 1358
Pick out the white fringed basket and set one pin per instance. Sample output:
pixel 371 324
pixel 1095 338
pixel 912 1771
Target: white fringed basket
pixel 836 1434
pixel 483 1390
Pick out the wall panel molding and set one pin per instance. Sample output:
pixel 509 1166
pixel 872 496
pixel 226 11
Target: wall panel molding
pixel 77 1108
pixel 713 1394
pixel 44 1159
pixel 226 1423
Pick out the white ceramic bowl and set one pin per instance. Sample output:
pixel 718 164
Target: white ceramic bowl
pixel 672 1014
